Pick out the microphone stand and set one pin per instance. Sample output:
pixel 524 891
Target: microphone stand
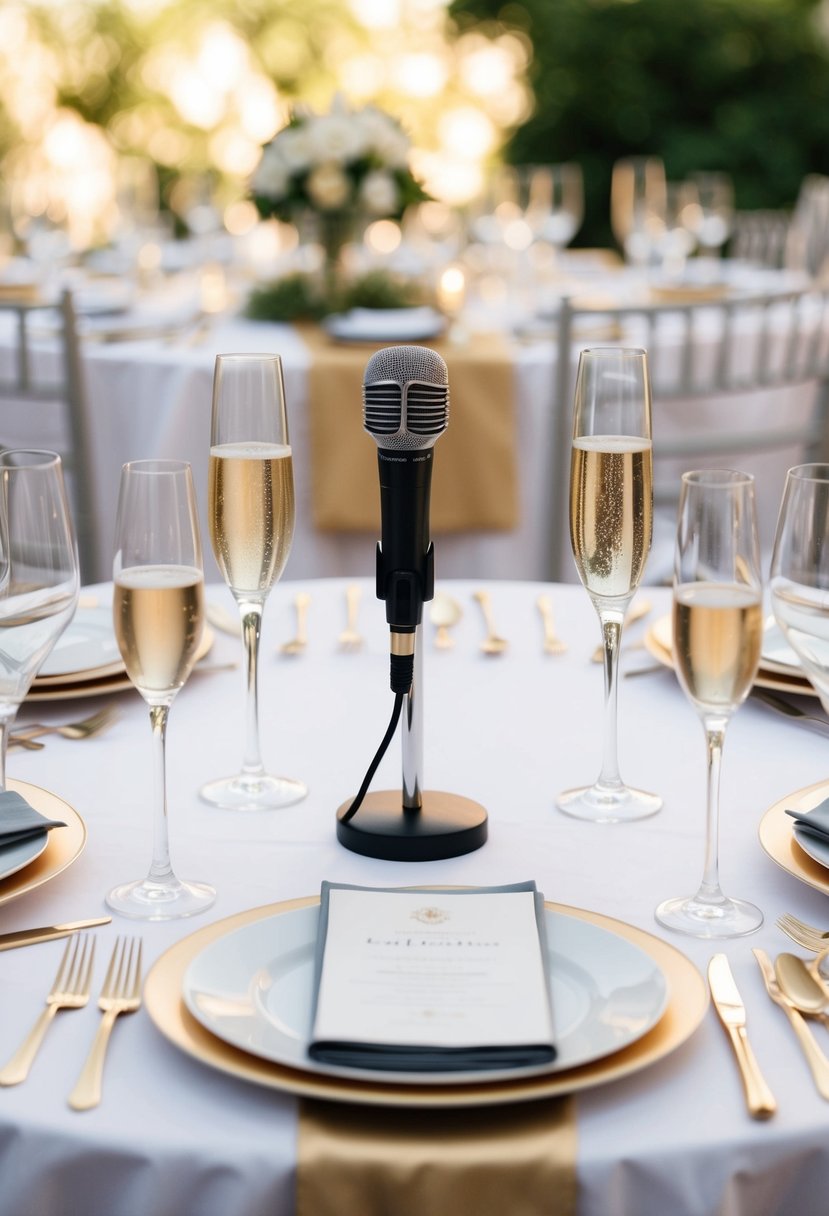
pixel 413 824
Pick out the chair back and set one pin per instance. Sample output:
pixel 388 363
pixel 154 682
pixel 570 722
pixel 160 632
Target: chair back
pixel 702 356
pixel 24 386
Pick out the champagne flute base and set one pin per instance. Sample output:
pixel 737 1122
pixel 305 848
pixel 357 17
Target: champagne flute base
pixel 249 793
pixel 608 803
pixel 713 920
pixel 172 900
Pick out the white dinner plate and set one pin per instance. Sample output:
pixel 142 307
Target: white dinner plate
pixel 253 988
pixel 385 325
pixel 776 652
pixel 14 857
pixel 87 644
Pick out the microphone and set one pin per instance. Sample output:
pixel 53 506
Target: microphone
pixel 405 410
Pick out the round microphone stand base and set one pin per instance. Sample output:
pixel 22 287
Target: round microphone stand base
pixel 446 825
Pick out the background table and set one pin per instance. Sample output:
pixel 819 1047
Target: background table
pixel 171 1136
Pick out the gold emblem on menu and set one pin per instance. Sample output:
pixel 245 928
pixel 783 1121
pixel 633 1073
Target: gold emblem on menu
pixel 430 915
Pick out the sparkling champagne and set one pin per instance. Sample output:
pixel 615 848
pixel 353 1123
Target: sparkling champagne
pixel 158 613
pixel 718 634
pixel 251 511
pixel 611 511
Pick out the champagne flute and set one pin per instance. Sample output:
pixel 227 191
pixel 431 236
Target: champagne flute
pixel 637 207
pixel 39 578
pixel 158 613
pixel 251 511
pixel 800 571
pixel 611 517
pixel 717 632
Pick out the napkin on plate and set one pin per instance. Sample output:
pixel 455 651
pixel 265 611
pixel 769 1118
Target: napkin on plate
pixel 19 821
pixel 432 1057
pixel 815 822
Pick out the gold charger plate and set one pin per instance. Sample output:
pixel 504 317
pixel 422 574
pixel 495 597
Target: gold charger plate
pixel 777 837
pixel 765 678
pixel 688 1001
pixel 98 681
pixel 65 844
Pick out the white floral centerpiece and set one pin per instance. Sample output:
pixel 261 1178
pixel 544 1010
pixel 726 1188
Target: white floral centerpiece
pixel 339 168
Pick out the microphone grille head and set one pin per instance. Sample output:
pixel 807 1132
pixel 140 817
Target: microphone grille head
pixel 406 397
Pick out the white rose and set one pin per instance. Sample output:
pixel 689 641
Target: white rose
pixel 271 176
pixel 379 193
pixel 328 187
pixel 295 147
pixel 336 137
pixel 385 138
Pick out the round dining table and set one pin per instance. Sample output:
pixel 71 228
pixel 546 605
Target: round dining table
pixel 173 1135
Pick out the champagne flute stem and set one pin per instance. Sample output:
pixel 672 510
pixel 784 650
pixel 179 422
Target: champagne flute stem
pixel 612 638
pixel 160 871
pixel 251 631
pixel 5 723
pixel 709 890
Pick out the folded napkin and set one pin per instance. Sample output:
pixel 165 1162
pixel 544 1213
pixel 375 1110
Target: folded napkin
pixel 19 821
pixel 475 484
pixel 815 822
pixel 434 1057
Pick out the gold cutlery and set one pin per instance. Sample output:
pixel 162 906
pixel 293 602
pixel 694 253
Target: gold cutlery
pixel 121 993
pixel 806 993
pixel 86 728
pixel 48 933
pixel 729 1005
pixel 296 645
pixel 492 643
pixel 350 639
pixel 444 612
pixel 817 1061
pixel 70 990
pixel 807 936
pixel 552 642
pixel 635 612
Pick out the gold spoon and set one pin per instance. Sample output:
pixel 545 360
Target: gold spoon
pixel 492 643
pixel 634 613
pixel 444 612
pixel 801 987
pixel 552 642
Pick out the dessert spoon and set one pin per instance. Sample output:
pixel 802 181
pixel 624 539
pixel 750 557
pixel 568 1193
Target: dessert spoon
pixel 444 613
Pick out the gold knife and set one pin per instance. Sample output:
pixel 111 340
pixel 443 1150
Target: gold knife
pixel 30 937
pixel 815 1058
pixel 730 1007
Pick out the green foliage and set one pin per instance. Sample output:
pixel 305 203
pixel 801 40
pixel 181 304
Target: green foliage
pixel 299 297
pixel 739 85
pixel 379 289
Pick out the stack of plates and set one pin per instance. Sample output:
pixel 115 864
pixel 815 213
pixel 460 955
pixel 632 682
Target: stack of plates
pixel 779 668
pixel 86 661
pixel 237 995
pixel 803 856
pixel 32 862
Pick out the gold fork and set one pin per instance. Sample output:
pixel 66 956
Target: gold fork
pixel 350 639
pixel 121 993
pixel 804 934
pixel 297 645
pixel 552 642
pixel 70 990
pixel 84 729
pixel 492 643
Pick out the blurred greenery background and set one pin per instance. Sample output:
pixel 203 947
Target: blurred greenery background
pixel 197 86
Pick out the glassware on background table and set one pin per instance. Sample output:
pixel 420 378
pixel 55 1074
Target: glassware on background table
pixel 39 578
pixel 637 207
pixel 800 571
pixel 251 511
pixel 158 614
pixel 552 197
pixel 714 215
pixel 718 633
pixel 611 516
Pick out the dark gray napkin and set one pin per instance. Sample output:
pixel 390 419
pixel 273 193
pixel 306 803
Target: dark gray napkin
pixel 815 822
pixel 19 821
pixel 392 1057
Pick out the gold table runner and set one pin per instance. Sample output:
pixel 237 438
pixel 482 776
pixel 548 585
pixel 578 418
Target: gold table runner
pixel 369 1161
pixel 475 482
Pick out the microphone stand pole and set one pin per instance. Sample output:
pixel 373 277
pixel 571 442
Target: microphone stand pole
pixel 413 824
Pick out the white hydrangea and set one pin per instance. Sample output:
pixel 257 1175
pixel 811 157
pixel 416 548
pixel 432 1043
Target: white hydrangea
pixel 328 187
pixel 379 194
pixel 336 138
pixel 271 176
pixel 295 146
pixel 384 137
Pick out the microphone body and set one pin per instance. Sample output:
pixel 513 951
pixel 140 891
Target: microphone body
pixel 406 409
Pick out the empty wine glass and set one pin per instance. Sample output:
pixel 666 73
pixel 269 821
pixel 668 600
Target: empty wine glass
pixel 611 517
pixel 714 215
pixel 251 511
pixel 717 636
pixel 800 571
pixel 553 200
pixel 637 207
pixel 39 577
pixel 158 614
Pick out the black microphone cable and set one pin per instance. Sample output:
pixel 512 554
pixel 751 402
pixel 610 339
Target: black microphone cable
pixel 381 751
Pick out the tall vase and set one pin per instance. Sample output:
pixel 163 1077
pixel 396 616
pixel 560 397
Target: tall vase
pixel 336 230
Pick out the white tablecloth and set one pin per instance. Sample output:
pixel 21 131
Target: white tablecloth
pixel 175 1139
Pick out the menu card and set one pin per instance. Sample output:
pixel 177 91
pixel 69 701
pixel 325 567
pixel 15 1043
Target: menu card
pixel 430 980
